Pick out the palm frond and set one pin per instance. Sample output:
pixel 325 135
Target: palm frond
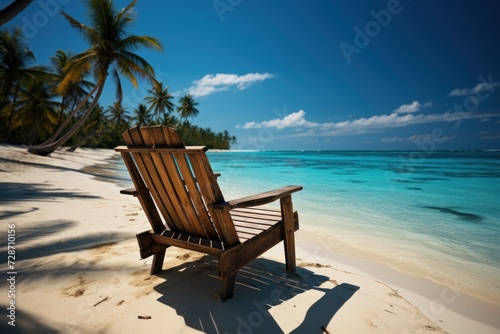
pixel 134 42
pixel 132 66
pixel 88 33
pixel 76 68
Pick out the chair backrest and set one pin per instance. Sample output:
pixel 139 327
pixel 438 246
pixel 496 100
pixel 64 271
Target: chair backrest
pixel 180 181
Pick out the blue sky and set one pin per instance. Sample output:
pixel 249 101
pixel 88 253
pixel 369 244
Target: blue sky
pixel 312 75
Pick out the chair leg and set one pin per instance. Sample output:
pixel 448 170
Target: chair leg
pixel 291 266
pixel 158 258
pixel 288 233
pixel 228 291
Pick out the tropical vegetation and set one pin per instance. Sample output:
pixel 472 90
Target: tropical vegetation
pixel 45 107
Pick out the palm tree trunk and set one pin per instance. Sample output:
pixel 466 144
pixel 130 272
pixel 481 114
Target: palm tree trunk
pixel 33 131
pixel 12 111
pixel 70 116
pixel 46 149
pixel 9 12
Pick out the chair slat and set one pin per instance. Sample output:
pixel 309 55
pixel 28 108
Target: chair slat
pixel 141 136
pixel 156 187
pixel 222 220
pixel 196 196
pixel 168 192
pixel 180 197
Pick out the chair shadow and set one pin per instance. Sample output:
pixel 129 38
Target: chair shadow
pixel 192 289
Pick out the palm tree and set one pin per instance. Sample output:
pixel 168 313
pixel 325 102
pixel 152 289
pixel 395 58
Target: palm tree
pixel 142 116
pixel 118 116
pixel 36 109
pixel 169 119
pixel 119 122
pixel 159 101
pixel 187 107
pixel 110 51
pixel 15 58
pixel 10 11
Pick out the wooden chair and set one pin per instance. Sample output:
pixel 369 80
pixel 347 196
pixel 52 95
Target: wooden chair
pixel 183 202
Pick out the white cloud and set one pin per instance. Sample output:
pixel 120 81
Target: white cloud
pixel 479 88
pixel 412 107
pixel 295 119
pixel 361 125
pixel 212 83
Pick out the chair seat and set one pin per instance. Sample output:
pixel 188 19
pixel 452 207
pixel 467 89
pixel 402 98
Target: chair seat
pixel 249 223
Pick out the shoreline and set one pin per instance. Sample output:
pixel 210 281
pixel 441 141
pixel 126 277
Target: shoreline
pixel 440 302
pixel 325 240
pixel 87 218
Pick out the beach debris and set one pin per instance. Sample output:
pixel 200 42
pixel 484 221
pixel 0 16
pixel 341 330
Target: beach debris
pixel 100 301
pixel 120 302
pixel 144 316
pixel 325 330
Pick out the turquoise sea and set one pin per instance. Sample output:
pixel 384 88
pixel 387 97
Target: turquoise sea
pixel 432 213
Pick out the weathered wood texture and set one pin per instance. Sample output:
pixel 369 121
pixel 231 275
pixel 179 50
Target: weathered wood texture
pixel 181 198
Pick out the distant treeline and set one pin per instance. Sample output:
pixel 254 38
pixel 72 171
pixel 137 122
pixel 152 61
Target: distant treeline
pixel 45 107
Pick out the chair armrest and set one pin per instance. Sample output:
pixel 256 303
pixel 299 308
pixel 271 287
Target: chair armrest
pixel 256 200
pixel 129 191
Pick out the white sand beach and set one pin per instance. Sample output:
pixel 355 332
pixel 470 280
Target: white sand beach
pixel 77 270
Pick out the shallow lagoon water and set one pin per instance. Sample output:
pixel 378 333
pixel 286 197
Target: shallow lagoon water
pixel 436 214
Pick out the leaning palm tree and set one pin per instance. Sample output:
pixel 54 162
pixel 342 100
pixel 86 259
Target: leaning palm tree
pixel 73 92
pixel 159 101
pixel 93 131
pixel 9 12
pixel 187 107
pixel 110 52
